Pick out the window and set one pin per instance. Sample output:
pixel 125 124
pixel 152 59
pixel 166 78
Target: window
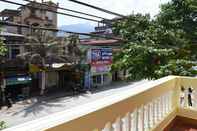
pixel 105 77
pixel 97 79
pixel 14 51
pixel 49 15
pixel 35 24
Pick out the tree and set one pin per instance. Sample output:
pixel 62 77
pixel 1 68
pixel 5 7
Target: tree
pixel 157 48
pixel 3 49
pixel 43 49
pixel 2 125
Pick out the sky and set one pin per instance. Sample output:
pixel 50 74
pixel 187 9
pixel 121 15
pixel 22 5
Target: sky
pixel 124 7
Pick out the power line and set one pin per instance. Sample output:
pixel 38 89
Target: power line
pixel 55 30
pixel 98 8
pixel 66 9
pixel 36 44
pixel 15 3
pixel 32 45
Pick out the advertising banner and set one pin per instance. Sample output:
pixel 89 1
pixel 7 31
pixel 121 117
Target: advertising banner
pixel 101 60
pixel 101 56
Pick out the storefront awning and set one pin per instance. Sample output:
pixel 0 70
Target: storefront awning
pixel 18 80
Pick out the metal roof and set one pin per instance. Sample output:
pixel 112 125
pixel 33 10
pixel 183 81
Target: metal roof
pixel 99 42
pixel 10 34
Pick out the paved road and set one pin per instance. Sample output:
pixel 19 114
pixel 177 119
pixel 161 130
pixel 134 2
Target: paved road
pixel 39 107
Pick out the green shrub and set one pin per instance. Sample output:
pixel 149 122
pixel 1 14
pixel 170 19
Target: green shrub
pixel 2 125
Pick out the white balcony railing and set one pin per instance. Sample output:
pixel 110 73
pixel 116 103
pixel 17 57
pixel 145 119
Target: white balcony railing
pixel 143 108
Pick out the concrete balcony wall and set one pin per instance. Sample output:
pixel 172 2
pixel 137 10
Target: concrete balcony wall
pixel 148 107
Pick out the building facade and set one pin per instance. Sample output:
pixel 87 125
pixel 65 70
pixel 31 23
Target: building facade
pixel 33 14
pixel 16 74
pixel 99 57
pixel 105 28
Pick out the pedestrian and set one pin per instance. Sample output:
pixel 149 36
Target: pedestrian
pixel 1 92
pixel 1 101
pixel 9 100
pixel 190 90
pixel 182 97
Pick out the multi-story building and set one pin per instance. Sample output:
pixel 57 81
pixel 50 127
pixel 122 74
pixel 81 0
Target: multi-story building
pixel 99 56
pixel 33 14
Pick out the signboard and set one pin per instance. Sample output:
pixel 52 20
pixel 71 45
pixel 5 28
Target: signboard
pixel 18 80
pixel 101 69
pixel 101 56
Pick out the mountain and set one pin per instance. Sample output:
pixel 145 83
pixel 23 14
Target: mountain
pixel 82 28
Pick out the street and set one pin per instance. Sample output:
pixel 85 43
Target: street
pixel 39 107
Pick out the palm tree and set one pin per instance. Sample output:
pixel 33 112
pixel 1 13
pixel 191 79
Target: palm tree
pixel 43 49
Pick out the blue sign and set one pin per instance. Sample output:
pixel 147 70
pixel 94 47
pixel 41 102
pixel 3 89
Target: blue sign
pixel 101 56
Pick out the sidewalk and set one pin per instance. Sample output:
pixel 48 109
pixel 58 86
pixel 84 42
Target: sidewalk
pixel 41 106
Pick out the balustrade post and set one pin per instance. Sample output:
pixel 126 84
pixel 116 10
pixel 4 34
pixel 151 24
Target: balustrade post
pixel 126 122
pixel 108 127
pixel 113 128
pixel 119 125
pixel 152 117
pixel 155 111
pixel 137 120
pixel 142 118
pixel 146 121
pixel 169 102
pixel 132 121
pixel 159 108
pixel 149 116
pixel 96 130
pixel 166 104
pixel 163 106
pixel 170 98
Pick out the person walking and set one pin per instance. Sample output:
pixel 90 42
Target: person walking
pixel 182 97
pixel 9 100
pixel 190 90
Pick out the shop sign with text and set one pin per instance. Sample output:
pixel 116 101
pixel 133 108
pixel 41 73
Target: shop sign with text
pixel 101 56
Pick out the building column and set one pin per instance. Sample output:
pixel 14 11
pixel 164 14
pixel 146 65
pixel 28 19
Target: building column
pixel 102 79
pixel 43 82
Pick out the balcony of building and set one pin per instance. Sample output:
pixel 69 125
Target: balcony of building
pixel 159 105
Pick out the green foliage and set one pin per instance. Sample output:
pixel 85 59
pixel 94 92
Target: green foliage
pixel 3 49
pixel 181 17
pixel 176 67
pixel 2 125
pixel 160 47
pixel 43 48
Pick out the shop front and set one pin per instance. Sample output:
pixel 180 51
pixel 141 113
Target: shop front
pixel 16 81
pixel 18 87
pixel 101 75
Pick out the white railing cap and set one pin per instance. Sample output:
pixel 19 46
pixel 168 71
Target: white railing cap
pixel 58 118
